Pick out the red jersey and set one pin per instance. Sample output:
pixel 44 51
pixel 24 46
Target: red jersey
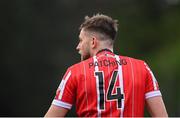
pixel 107 85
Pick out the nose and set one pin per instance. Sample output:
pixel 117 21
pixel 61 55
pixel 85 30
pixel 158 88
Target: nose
pixel 78 46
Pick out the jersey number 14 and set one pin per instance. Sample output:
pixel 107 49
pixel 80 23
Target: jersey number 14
pixel 118 96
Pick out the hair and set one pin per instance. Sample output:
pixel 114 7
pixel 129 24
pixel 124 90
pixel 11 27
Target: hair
pixel 101 24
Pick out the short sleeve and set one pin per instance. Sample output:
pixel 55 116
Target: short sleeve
pixel 151 84
pixel 65 93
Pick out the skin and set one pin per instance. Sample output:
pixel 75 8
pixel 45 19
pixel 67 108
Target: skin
pixel 84 45
pixel 55 111
pixel 156 107
pixel 89 45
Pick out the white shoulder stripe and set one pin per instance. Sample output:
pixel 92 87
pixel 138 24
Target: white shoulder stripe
pixel 63 84
pixel 62 104
pixel 152 94
pixel 153 77
pixel 97 87
pixel 120 73
pixel 132 74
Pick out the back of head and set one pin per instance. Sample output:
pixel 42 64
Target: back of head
pixel 101 24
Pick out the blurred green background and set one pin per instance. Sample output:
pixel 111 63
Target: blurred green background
pixel 38 40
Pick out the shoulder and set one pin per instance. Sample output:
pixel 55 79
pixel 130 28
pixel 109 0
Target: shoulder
pixel 138 65
pixel 131 59
pixel 78 67
pixel 134 62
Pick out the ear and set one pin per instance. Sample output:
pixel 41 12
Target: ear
pixel 94 42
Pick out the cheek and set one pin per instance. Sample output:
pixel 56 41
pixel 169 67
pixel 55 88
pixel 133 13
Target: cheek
pixel 83 45
pixel 86 46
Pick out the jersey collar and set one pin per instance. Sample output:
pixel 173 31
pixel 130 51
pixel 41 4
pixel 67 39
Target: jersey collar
pixel 104 51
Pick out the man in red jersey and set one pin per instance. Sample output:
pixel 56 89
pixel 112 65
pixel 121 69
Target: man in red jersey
pixel 104 84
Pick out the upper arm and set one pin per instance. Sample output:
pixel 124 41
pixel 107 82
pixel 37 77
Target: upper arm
pixel 156 107
pixel 65 96
pixel 151 84
pixel 55 111
pixel 154 101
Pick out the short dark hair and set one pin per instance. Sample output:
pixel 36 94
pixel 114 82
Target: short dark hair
pixel 102 24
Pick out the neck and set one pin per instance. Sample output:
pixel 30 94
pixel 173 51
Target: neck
pixel 101 49
pixel 107 50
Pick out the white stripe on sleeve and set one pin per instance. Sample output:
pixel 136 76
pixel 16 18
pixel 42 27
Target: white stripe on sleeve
pixel 62 104
pixel 152 94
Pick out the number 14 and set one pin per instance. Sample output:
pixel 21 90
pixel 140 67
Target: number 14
pixel 118 96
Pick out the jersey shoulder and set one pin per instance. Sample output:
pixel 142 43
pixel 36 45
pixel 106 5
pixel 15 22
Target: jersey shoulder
pixel 132 59
pixel 78 67
pixel 134 62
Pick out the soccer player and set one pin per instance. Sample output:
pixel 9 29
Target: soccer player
pixel 104 84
